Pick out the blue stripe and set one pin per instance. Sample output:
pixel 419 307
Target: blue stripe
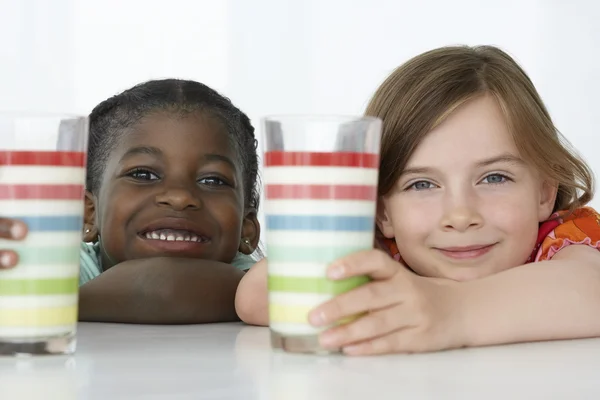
pixel 319 223
pixel 53 223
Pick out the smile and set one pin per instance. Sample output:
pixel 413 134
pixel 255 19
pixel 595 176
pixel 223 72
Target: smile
pixel 466 252
pixel 174 235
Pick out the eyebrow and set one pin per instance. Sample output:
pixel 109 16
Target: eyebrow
pixel 148 150
pixel 502 158
pixel 221 158
pixel 156 152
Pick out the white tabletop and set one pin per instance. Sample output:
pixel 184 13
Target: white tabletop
pixel 233 361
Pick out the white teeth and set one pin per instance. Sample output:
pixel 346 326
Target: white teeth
pixel 173 236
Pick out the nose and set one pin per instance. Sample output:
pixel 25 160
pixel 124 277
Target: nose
pixel 178 199
pixel 461 212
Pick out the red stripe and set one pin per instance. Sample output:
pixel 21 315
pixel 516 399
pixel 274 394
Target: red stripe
pixel 43 158
pixel 345 159
pixel 41 192
pixel 321 192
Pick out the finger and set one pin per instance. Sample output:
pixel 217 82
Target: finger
pixel 12 229
pixel 402 340
pixel 369 327
pixel 373 263
pixel 8 259
pixel 387 344
pixel 368 297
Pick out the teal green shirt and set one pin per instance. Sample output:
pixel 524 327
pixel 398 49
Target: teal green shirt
pixel 89 262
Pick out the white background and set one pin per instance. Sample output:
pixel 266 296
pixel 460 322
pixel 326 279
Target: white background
pixel 303 56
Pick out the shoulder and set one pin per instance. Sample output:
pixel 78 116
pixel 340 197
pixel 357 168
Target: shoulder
pixel 579 227
pixel 389 246
pixel 243 261
pixel 89 262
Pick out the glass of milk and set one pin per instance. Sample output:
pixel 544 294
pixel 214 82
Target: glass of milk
pixel 42 180
pixel 320 176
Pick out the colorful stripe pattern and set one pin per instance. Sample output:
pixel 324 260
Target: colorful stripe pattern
pixel 45 190
pixel 319 207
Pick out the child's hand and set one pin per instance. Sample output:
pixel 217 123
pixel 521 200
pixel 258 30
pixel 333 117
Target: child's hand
pixel 251 298
pixel 403 312
pixel 13 230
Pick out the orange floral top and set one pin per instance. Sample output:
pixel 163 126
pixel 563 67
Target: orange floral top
pixel 562 229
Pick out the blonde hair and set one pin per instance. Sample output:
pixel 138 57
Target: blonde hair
pixel 421 93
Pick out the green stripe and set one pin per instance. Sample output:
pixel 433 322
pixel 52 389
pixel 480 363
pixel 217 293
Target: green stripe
pixel 311 253
pixel 29 255
pixel 25 287
pixel 314 285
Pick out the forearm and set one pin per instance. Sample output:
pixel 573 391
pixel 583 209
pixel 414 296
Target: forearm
pixel 162 291
pixel 539 301
pixel 251 300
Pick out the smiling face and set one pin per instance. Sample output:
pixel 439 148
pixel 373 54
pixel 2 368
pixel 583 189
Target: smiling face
pixel 172 187
pixel 466 205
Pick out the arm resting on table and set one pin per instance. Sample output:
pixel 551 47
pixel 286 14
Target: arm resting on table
pixel 162 291
pixel 548 300
pixel 251 299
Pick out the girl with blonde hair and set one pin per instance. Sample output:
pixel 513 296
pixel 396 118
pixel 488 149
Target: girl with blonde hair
pixel 484 236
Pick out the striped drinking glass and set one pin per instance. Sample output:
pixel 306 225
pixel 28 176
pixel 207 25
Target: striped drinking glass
pixel 320 176
pixel 42 178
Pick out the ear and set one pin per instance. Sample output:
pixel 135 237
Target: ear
pixel 548 193
pixel 90 228
pixel 250 233
pixel 384 223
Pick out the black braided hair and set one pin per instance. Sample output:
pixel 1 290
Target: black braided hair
pixel 110 119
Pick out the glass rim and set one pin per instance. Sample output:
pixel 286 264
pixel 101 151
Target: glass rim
pixel 319 118
pixel 31 114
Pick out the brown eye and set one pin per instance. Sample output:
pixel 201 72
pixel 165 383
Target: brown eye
pixel 212 181
pixel 143 175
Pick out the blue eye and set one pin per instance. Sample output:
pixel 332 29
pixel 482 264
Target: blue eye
pixel 143 175
pixel 496 179
pixel 212 181
pixel 421 185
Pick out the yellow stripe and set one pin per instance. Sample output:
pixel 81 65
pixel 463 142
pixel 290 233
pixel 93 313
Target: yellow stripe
pixel 38 316
pixel 295 314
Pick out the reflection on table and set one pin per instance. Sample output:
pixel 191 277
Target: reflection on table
pixel 233 361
